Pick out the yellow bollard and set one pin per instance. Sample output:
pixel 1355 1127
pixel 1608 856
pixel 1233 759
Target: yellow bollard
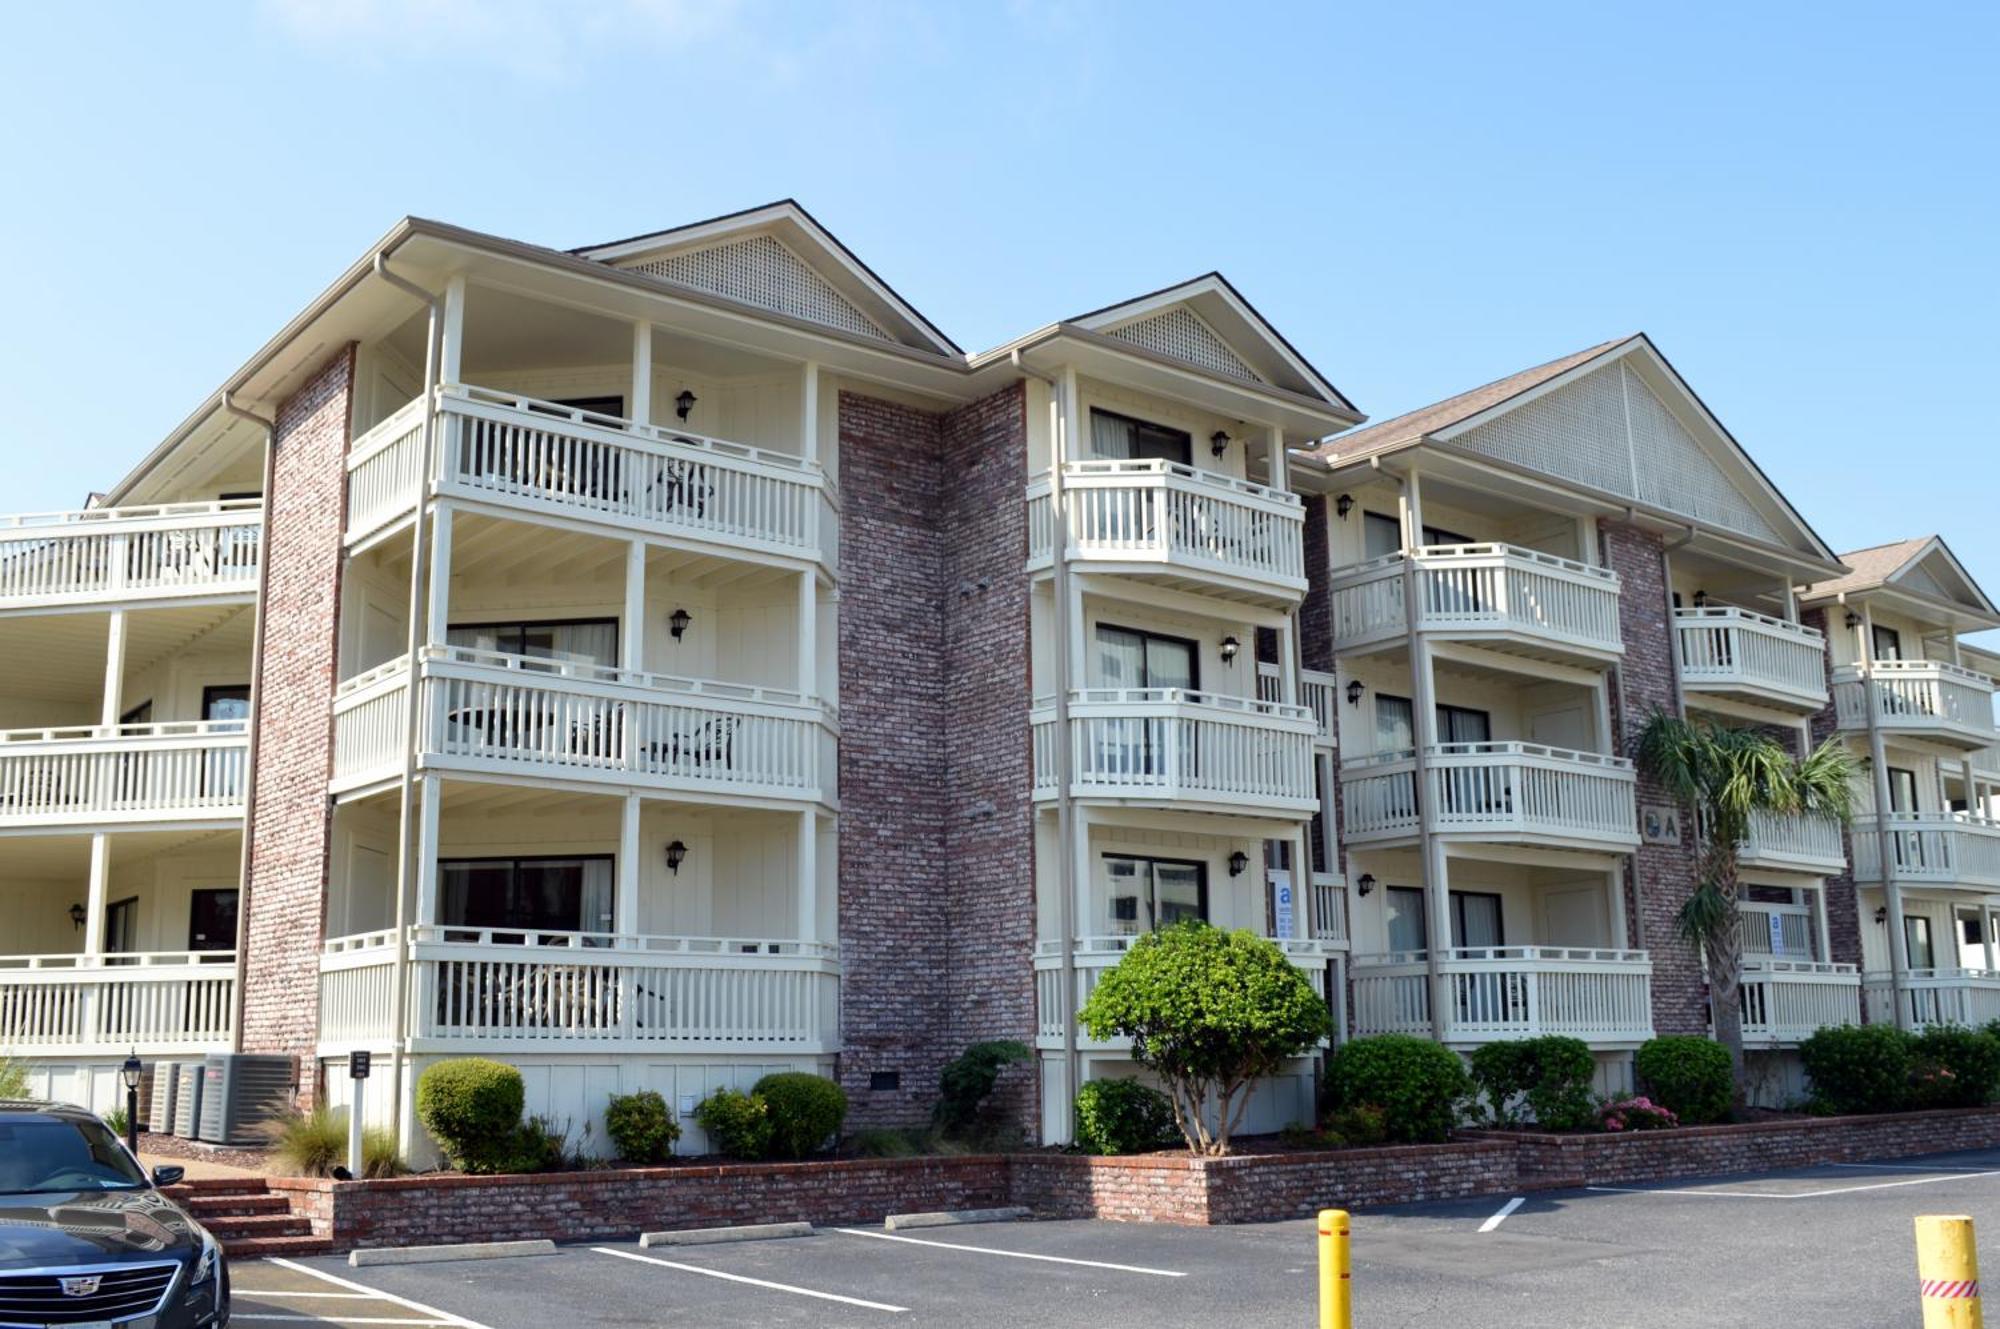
pixel 1947 1272
pixel 1336 1288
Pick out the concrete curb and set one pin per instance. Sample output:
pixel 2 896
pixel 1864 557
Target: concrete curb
pixel 470 1250
pixel 954 1217
pixel 709 1236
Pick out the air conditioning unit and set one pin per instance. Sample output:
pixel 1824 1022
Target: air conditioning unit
pixel 187 1100
pixel 166 1093
pixel 242 1090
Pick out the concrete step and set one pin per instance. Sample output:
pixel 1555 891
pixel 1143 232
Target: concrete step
pixel 206 1207
pixel 251 1248
pixel 258 1225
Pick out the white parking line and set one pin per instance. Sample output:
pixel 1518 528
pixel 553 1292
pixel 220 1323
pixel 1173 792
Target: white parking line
pixel 1505 1210
pixel 754 1282
pixel 1013 1255
pixel 265 1292
pixel 445 1316
pixel 1791 1195
pixel 315 1319
pixel 1910 1167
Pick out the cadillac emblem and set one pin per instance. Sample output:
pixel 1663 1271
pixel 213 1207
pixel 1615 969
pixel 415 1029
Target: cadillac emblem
pixel 82 1286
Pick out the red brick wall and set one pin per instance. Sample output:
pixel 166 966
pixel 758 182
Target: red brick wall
pixel 1316 614
pixel 291 828
pixel 1843 917
pixel 1665 873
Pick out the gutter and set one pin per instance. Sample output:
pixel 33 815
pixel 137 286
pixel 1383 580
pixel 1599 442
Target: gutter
pixel 270 428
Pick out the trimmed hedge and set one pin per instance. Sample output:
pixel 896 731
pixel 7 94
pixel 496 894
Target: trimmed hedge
pixel 1416 1084
pixel 1688 1075
pixel 1553 1075
pixel 1955 1067
pixel 1859 1068
pixel 472 1108
pixel 738 1125
pixel 1123 1117
pixel 641 1127
pixel 805 1111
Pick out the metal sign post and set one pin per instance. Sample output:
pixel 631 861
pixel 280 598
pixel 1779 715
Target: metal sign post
pixel 357 1072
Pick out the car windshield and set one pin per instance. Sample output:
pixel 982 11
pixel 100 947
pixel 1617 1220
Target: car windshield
pixel 48 1154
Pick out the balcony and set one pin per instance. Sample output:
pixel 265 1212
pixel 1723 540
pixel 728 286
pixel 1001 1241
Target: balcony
pixel 1094 955
pixel 1511 793
pixel 1600 996
pixel 1748 657
pixel 1794 844
pixel 1510 599
pixel 1192 750
pixel 482 990
pixel 173 552
pixel 484 712
pixel 160 1004
pixel 536 457
pixel 1967 998
pixel 1930 849
pixel 1921 699
pixel 1786 1001
pixel 124 776
pixel 1181 526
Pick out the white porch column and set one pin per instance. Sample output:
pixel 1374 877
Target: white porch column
pixel 1614 883
pixel 808 633
pixel 430 790
pixel 100 880
pixel 640 408
pixel 1078 674
pixel 1986 934
pixel 114 670
pixel 1085 921
pixel 625 909
pixel 1600 697
pixel 451 341
pixel 808 920
pixel 1288 662
pixel 1821 922
pixel 809 412
pixel 632 632
pixel 1274 459
pixel 439 618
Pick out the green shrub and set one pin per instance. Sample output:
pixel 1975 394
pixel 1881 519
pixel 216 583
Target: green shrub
pixel 1859 1068
pixel 13 1078
pixel 1551 1075
pixel 313 1144
pixel 1210 1013
pixel 805 1111
pixel 737 1125
pixel 117 1121
pixel 535 1146
pixel 1123 1117
pixel 641 1127
pixel 1418 1085
pixel 472 1108
pixel 1687 1074
pixel 1359 1126
pixel 968 1079
pixel 1955 1067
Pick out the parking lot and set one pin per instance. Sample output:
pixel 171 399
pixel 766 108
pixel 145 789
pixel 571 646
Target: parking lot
pixel 1828 1246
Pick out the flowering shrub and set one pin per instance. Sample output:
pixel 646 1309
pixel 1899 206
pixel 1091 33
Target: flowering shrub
pixel 1635 1114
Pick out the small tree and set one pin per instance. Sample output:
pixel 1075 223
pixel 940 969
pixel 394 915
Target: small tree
pixel 1728 777
pixel 1209 1012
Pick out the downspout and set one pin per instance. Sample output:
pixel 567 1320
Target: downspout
pixel 399 997
pixel 1065 796
pixel 270 428
pixel 1885 839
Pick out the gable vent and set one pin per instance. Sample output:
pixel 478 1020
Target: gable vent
pixel 762 272
pixel 1178 333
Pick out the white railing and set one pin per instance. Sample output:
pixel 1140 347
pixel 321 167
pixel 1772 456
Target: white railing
pixel 1785 1001
pixel 1320 692
pixel 114 555
pixel 1925 697
pixel 1164 512
pixel 1783 932
pixel 385 468
pixel 1329 909
pixel 70 1005
pixel 1729 650
pixel 1169 744
pixel 1932 848
pixel 1969 998
pixel 1495 790
pixel 1810 842
pixel 495 988
pixel 123 773
pixel 1599 995
pixel 1493 591
pixel 485 710
pixel 1095 955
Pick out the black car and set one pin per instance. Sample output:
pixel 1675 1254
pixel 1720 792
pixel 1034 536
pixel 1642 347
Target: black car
pixel 88 1239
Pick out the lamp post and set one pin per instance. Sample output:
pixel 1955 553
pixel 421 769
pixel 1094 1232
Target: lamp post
pixel 130 1073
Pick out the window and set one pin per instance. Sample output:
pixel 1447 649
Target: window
pixel 1902 790
pixel 1917 939
pixel 1130 658
pixel 1150 893
pixel 1121 438
pixel 590 641
pixel 121 926
pixel 570 894
pixel 230 702
pixel 1381 535
pixel 1437 535
pixel 1887 643
pixel 1461 724
pixel 228 706
pixel 140 714
pixel 1395 724
pixel 1475 920
pixel 1403 911
pixel 212 919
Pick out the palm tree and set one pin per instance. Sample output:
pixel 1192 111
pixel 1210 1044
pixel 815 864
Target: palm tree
pixel 1729 776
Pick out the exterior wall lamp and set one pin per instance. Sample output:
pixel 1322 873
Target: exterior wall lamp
pixel 76 916
pixel 677 623
pixel 1853 619
pixel 1230 646
pixel 1701 599
pixel 1237 862
pixel 1364 885
pixel 676 855
pixel 1344 505
pixel 684 403
pixel 1355 688
pixel 1882 915
pixel 1218 442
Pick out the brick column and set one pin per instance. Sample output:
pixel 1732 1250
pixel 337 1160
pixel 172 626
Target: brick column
pixel 1665 874
pixel 291 827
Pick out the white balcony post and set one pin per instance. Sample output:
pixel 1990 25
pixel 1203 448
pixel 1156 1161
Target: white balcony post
pixel 1288 664
pixel 626 909
pixel 1986 934
pixel 451 342
pixel 1076 674
pixel 809 412
pixel 808 871
pixel 1274 459
pixel 1614 880
pixel 632 632
pixel 1600 696
pixel 1878 756
pixel 430 791
pixel 640 408
pixel 100 878
pixel 114 669
pixel 808 633
pixel 1821 924
pixel 439 608
pixel 1083 923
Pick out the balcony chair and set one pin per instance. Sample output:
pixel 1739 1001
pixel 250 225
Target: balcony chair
pixel 710 743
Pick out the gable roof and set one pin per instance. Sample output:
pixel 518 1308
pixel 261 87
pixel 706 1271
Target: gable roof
pixel 1900 566
pixel 776 257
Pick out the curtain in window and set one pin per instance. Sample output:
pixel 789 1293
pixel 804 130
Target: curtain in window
pixel 1395 724
pixel 1476 919
pixel 1380 535
pixel 1403 910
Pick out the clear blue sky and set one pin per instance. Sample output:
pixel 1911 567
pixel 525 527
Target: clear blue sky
pixel 1798 201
